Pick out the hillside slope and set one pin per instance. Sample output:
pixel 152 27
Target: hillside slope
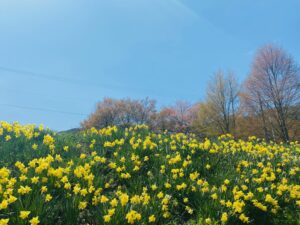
pixel 134 176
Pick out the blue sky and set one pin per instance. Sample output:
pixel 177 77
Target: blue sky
pixel 59 57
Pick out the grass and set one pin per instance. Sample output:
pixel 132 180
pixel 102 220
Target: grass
pixel 135 176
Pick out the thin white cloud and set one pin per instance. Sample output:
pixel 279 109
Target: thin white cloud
pixel 185 8
pixel 176 6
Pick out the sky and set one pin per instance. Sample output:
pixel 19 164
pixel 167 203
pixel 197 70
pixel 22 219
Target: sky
pixel 58 58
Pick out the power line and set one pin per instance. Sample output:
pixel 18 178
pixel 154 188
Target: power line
pixel 42 109
pixel 59 78
pixel 40 94
pixel 38 75
pixel 68 80
pixel 80 82
pixel 49 77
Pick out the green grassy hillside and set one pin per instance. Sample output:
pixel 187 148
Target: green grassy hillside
pixel 135 176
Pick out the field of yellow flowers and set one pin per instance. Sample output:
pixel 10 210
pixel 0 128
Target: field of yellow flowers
pixel 135 176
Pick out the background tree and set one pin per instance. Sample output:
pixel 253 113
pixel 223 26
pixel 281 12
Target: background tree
pixel 177 118
pixel 105 114
pixel 268 105
pixel 123 112
pixel 165 119
pixel 181 115
pixel 272 89
pixel 221 103
pixel 204 124
pixel 146 111
pixel 254 107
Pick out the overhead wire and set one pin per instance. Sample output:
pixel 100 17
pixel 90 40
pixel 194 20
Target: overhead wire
pixel 42 109
pixel 59 79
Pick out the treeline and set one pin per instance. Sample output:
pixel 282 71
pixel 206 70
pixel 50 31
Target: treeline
pixel 266 104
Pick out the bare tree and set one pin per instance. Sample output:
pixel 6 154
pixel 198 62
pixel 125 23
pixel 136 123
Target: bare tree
pixel 234 88
pixel 106 114
pixel 146 111
pixel 177 118
pixel 123 112
pixel 206 122
pixel 222 100
pixel 253 104
pixel 181 115
pixel 273 85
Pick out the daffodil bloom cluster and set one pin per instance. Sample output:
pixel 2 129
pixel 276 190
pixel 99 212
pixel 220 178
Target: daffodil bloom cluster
pixel 135 176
